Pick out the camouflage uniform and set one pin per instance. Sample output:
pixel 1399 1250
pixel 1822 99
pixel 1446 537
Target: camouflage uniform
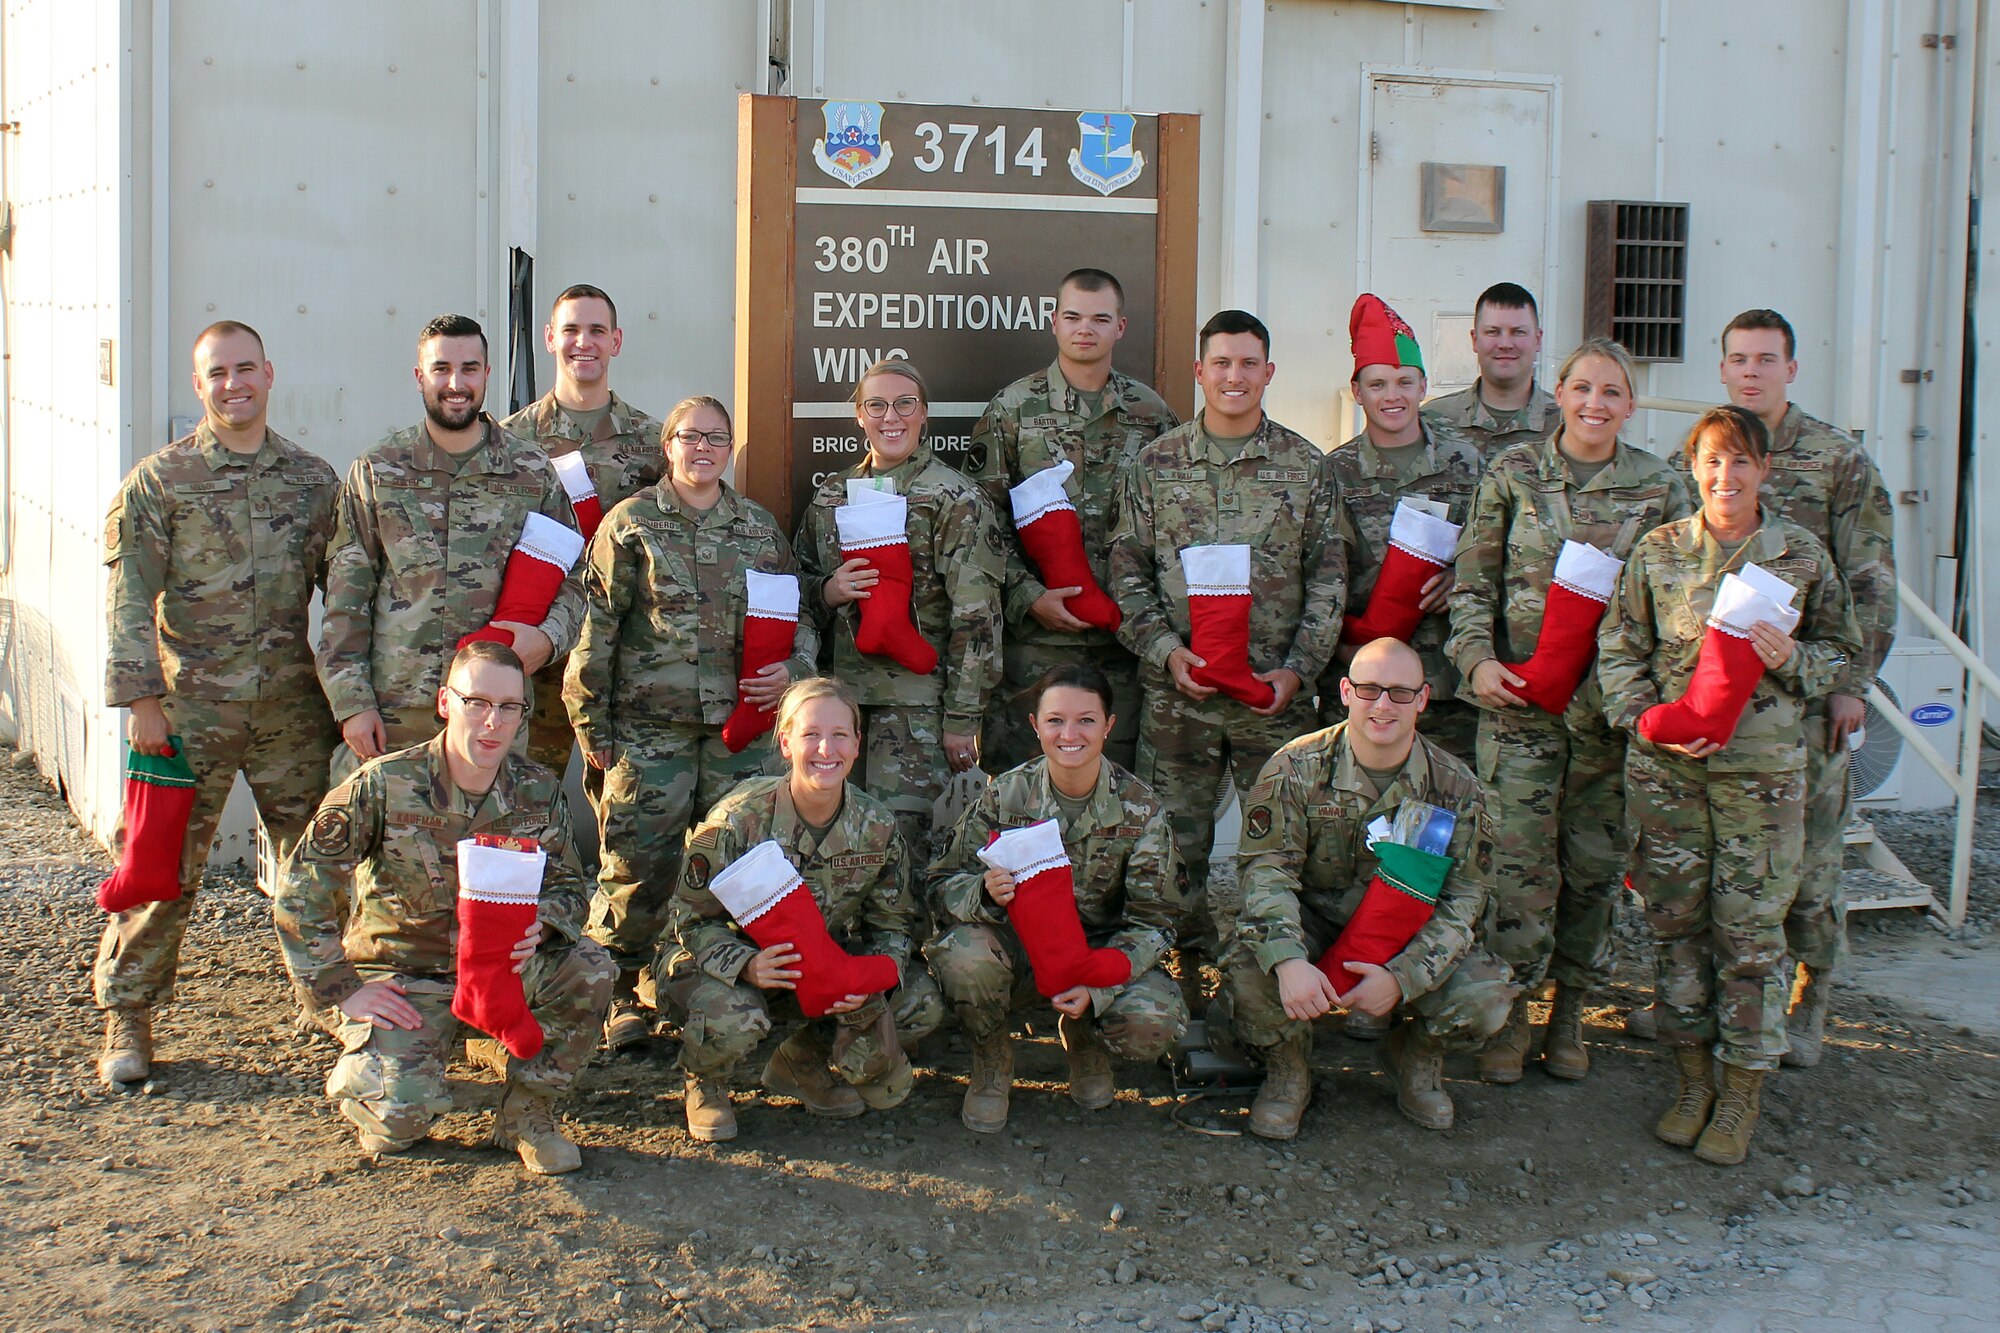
pixel 959 565
pixel 1128 893
pixel 1279 497
pixel 213 558
pixel 1821 480
pixel 416 565
pixel 1032 424
pixel 1492 433
pixel 1369 490
pixel 625 455
pixel 382 860
pixel 860 874
pixel 1718 842
pixel 653 678
pixel 1557 782
pixel 1305 865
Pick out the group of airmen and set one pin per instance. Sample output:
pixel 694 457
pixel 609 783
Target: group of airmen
pixel 374 752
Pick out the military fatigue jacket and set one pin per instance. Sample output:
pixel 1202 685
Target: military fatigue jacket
pixel 382 857
pixel 1653 630
pixel 1276 496
pixel 417 560
pixel 1369 490
pixel 1466 412
pixel 959 566
pixel 214 556
pixel 1305 852
pixel 664 598
pixel 1035 423
pixel 625 454
pixel 859 873
pixel 1824 482
pixel 1527 505
pixel 1126 869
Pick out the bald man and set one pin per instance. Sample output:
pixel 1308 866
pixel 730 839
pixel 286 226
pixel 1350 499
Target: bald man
pixel 1305 863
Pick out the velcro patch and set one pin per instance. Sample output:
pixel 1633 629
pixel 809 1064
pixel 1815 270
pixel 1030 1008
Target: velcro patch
pixel 1283 474
pixel 859 860
pixel 705 836
pixel 1257 823
pixel 695 870
pixel 331 833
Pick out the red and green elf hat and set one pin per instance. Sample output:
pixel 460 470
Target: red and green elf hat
pixel 1381 337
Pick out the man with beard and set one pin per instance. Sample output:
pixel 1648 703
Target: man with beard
pixel 427 519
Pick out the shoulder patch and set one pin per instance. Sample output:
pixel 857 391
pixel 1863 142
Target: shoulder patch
pixel 704 836
pixel 695 870
pixel 332 832
pixel 1257 822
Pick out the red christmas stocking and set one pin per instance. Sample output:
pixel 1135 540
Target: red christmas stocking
pixel 1420 548
pixel 1046 522
pixel 536 568
pixel 159 800
pixel 574 474
pixel 874 530
pixel 1727 670
pixel 1398 901
pixel 1567 643
pixel 763 891
pixel 1218 584
pixel 770 620
pixel 499 890
pixel 1043 912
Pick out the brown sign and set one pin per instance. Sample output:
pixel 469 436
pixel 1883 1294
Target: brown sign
pixel 939 234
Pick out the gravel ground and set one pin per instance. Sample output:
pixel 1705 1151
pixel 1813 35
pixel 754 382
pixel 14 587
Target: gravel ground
pixel 225 1195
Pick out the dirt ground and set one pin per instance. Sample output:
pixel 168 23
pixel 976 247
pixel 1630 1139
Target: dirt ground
pixel 226 1195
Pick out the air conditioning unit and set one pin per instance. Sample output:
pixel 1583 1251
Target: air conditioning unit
pixel 1928 685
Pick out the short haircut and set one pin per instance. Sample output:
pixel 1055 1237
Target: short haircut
pixel 1762 319
pixel 1735 428
pixel 893 365
pixel 1093 280
pixel 1611 351
pixel 486 650
pixel 802 692
pixel 222 328
pixel 453 326
pixel 686 408
pixel 580 291
pixel 1507 296
pixel 1235 321
pixel 1072 676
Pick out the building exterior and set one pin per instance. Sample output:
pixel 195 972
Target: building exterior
pixel 335 174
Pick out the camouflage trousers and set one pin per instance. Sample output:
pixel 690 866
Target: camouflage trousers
pixel 1008 741
pixel 1185 748
pixel 1462 1014
pixel 722 1022
pixel 1717 861
pixel 984 973
pixel 1555 795
pixel 903 765
pixel 666 776
pixel 391 1082
pixel 281 747
pixel 1816 927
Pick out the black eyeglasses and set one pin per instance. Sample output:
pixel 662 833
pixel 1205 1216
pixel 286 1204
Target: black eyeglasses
pixel 1368 689
pixel 477 708
pixel 714 439
pixel 877 408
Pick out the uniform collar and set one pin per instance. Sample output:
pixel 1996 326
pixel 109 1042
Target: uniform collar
pixel 718 515
pixel 1537 411
pixel 498 801
pixel 1257 446
pixel 489 455
pixel 1105 811
pixel 1063 395
pixel 903 472
pixel 219 456
pixel 788 826
pixel 1349 776
pixel 552 423
pixel 1375 463
pixel 1766 543
pixel 1790 426
pixel 1621 470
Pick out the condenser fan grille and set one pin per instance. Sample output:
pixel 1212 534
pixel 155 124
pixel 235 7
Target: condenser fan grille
pixel 1880 750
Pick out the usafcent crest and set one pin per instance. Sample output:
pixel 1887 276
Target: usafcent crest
pixel 852 149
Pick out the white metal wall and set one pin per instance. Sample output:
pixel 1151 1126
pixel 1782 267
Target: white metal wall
pixel 337 174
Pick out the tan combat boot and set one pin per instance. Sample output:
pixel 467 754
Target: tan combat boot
pixel 710 1117
pixel 1288 1088
pixel 1563 1053
pixel 798 1068
pixel 1683 1124
pixel 628 1023
pixel 1806 1028
pixel 1503 1057
pixel 1417 1064
pixel 527 1124
pixel 128 1046
pixel 1726 1141
pixel 487 1054
pixel 991 1084
pixel 1090 1082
